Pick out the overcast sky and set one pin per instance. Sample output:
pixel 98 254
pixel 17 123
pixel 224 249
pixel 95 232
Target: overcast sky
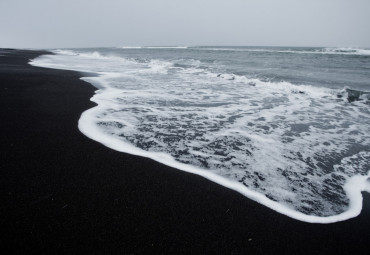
pixel 92 23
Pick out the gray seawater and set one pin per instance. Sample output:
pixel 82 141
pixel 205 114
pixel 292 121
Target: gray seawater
pixel 328 67
pixel 292 124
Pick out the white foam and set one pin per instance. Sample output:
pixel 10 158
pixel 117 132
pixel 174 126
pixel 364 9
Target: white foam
pixel 65 52
pixel 347 51
pixel 268 141
pixel 354 185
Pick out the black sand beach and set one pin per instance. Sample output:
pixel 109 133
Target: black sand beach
pixel 64 193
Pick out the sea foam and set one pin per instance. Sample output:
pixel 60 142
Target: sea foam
pixel 300 150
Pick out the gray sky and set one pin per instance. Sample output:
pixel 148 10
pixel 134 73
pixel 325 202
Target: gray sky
pixel 92 23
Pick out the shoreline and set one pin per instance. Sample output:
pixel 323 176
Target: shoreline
pixel 63 192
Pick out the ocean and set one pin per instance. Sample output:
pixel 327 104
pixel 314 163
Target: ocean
pixel 287 127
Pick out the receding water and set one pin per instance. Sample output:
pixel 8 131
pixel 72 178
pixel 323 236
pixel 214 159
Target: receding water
pixel 287 127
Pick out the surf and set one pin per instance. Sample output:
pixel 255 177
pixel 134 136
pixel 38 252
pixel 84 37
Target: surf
pixel 298 149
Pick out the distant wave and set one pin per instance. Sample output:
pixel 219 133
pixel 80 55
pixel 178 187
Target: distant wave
pixel 192 66
pixel 347 51
pixel 92 55
pixel 153 47
pixel 328 50
pixel 332 51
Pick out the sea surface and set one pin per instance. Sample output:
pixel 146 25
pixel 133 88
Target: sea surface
pixel 287 127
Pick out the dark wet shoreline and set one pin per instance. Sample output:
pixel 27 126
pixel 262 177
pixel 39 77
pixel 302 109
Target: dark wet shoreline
pixel 64 193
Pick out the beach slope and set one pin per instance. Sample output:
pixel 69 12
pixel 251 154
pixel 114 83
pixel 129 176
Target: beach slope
pixel 64 193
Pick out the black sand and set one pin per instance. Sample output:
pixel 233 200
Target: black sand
pixel 64 193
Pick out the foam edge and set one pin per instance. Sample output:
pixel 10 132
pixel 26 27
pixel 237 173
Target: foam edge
pixel 353 187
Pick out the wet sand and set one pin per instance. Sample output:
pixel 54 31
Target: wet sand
pixel 64 193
